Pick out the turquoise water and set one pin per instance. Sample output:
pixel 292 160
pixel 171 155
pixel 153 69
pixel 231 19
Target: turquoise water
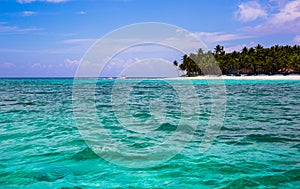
pixel 258 145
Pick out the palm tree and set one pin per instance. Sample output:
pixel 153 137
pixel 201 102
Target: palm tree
pixel 245 51
pixel 175 63
pixel 219 49
pixel 259 59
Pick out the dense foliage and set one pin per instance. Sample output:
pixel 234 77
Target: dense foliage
pixel 258 60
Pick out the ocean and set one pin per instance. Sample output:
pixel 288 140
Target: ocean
pixel 140 133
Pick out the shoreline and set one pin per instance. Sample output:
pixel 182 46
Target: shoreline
pixel 256 77
pixel 202 77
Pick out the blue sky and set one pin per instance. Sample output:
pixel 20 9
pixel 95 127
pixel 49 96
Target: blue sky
pixel 47 38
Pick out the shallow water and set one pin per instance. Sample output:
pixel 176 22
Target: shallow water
pixel 258 144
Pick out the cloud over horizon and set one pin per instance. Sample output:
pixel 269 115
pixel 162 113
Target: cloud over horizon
pixel 214 37
pixel 50 35
pixel 296 40
pixel 29 13
pixel 250 11
pixel 285 19
pixel 5 28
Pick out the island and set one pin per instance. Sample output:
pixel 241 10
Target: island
pixel 257 60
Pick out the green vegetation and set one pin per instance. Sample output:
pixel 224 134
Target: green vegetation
pixel 251 61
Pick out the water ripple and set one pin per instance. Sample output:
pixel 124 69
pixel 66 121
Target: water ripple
pixel 257 147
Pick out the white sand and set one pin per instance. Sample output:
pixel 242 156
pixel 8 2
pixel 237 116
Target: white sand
pixel 258 77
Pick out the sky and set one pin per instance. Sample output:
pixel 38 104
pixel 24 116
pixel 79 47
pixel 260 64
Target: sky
pixel 48 38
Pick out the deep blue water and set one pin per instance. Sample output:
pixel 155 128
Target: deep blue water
pixel 49 140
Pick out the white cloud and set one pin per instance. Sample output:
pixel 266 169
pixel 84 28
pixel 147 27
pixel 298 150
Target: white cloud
pixel 214 37
pixel 69 63
pixel 81 12
pixel 55 1
pixel 239 47
pixel 148 68
pixel 284 20
pixel 250 11
pixel 77 49
pixel 7 65
pixel 5 50
pixel 278 3
pixel 296 40
pixel 28 13
pixel 25 1
pixel 234 48
pixel 48 1
pixel 78 41
pixel 37 65
pixel 290 12
pixel 4 28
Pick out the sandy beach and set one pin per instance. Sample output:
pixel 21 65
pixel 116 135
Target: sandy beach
pixel 257 77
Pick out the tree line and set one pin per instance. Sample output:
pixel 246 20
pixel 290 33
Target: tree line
pixel 251 61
